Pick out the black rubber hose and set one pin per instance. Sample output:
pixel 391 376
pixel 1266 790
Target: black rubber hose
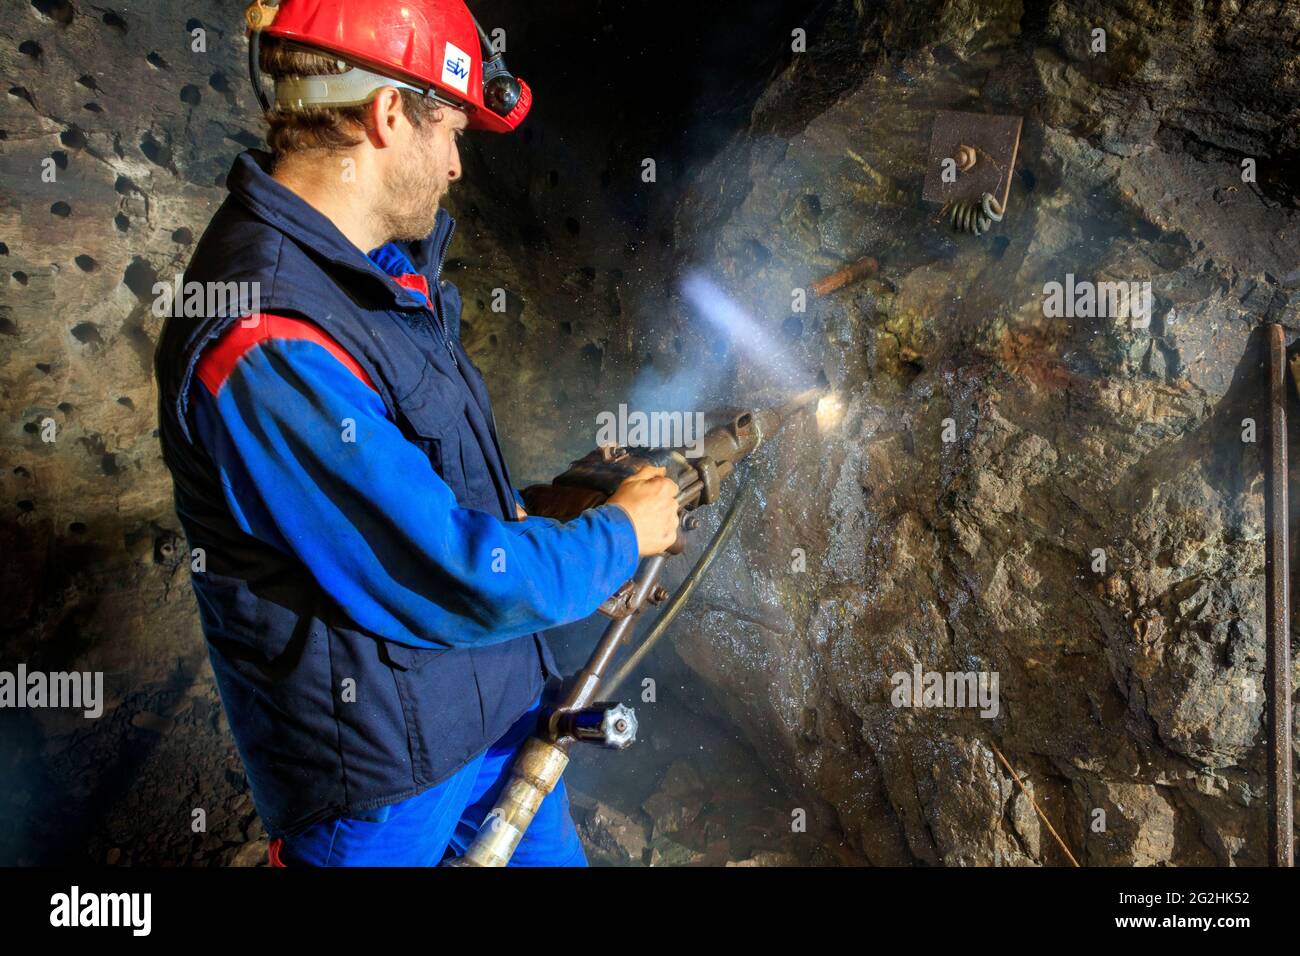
pixel 671 610
pixel 255 69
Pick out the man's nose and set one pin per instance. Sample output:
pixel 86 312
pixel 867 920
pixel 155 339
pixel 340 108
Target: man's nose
pixel 453 168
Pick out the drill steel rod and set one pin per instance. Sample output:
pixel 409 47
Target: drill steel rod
pixel 1277 585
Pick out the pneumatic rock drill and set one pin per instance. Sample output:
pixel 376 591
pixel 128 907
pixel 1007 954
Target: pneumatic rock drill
pixel 581 715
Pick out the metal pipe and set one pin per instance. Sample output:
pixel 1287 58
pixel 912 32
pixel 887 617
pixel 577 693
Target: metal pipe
pixel 862 269
pixel 588 680
pixel 1277 589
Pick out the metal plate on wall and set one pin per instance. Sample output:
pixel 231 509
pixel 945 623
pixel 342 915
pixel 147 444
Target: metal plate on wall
pixel 995 139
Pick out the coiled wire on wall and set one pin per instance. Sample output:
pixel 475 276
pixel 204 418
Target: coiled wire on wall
pixel 976 218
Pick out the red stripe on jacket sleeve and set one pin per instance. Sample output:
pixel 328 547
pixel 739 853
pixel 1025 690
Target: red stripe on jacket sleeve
pixel 220 358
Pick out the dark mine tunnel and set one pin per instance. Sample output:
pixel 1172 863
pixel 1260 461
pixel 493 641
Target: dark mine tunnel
pixel 959 330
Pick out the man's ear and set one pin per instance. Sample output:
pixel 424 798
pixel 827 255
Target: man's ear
pixel 386 115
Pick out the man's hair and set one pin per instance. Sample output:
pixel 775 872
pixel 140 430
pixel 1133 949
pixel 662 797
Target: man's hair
pixel 327 128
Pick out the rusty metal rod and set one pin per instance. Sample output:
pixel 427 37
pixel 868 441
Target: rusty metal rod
pixel 1034 803
pixel 864 268
pixel 1277 588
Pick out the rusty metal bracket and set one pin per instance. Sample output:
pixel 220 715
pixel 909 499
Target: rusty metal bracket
pixel 986 144
pixel 978 151
pixel 1277 588
pixel 259 15
pixel 619 604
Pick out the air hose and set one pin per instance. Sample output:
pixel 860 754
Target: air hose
pixel 725 530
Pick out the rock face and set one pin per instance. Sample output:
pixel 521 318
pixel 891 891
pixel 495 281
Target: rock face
pixel 1072 504
pixel 118 128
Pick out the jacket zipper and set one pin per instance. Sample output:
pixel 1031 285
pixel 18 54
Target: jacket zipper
pixel 446 338
pixel 437 291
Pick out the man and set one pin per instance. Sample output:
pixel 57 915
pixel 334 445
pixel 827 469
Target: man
pixel 367 581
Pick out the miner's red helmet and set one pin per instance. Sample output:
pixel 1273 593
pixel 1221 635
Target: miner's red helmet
pixel 434 47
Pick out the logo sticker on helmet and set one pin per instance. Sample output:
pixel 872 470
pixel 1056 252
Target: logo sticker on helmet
pixel 455 68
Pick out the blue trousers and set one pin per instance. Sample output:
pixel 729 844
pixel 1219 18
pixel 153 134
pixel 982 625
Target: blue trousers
pixel 441 822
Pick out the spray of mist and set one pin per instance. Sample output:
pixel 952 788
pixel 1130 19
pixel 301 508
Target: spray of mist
pixel 744 332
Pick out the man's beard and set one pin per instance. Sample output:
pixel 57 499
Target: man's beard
pixel 411 208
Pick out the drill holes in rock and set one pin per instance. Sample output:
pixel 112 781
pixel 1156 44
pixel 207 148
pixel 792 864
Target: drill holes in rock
pixel 61 209
pixel 165 549
pixel 156 152
pixel 140 277
pixel 60 11
pixel 87 333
